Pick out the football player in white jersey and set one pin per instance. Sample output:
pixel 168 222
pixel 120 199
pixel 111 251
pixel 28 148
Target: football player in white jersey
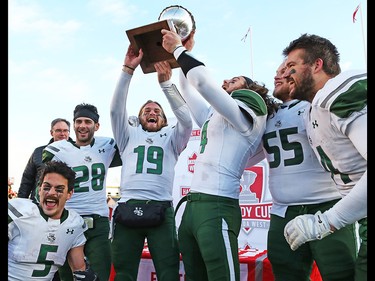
pixel 336 126
pixel 299 185
pixel 231 129
pixel 149 152
pixel 90 157
pixel 41 237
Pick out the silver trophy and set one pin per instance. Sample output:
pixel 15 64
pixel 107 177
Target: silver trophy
pixel 181 18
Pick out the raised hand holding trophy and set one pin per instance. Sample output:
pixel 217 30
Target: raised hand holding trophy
pixel 149 37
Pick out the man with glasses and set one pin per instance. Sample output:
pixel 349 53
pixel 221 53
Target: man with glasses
pixel 90 157
pixel 60 130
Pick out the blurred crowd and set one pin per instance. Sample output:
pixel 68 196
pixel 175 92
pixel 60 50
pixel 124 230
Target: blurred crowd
pixel 11 194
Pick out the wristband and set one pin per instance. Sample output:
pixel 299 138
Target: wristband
pixel 132 68
pixel 177 48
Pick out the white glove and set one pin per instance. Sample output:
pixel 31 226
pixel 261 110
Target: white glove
pixel 306 228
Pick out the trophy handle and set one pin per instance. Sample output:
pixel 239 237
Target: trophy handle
pixel 171 25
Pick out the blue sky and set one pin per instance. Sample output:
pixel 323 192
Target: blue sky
pixel 62 53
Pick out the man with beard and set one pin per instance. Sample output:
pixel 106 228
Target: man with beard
pixel 90 157
pixel 336 125
pixel 299 185
pixel 149 152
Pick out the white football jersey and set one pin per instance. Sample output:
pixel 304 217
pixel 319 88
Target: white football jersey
pixel 37 244
pixel 91 163
pixel 342 100
pixel 148 158
pixel 295 175
pixel 224 150
pixel 231 130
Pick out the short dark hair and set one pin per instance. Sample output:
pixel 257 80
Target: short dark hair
pixel 57 120
pixel 60 168
pixel 316 47
pixel 86 110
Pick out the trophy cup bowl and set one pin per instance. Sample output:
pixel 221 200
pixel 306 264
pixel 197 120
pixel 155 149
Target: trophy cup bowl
pixel 181 18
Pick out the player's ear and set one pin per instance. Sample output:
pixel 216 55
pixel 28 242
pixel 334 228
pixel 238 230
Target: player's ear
pixel 70 194
pixel 97 125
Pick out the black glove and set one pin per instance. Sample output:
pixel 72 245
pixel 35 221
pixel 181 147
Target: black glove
pixel 87 275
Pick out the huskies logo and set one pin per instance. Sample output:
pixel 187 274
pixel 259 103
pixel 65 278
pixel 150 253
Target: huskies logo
pixel 88 159
pixel 51 237
pixel 255 212
pixel 138 211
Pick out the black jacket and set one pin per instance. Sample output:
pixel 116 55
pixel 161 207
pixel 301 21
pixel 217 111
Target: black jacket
pixel 30 176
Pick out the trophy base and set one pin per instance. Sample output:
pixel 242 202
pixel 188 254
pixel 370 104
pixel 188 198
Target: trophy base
pixel 149 39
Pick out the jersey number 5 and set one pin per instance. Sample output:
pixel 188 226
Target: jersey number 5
pixel 44 250
pixel 285 145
